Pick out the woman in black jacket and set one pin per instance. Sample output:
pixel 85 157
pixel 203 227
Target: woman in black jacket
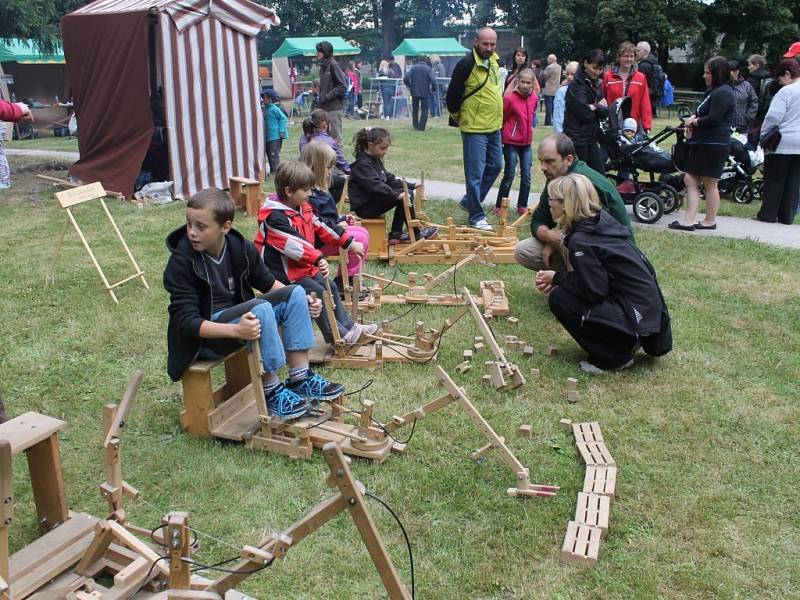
pixel 585 105
pixel 708 134
pixel 610 303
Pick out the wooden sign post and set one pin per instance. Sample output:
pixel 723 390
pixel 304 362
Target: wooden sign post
pixel 69 198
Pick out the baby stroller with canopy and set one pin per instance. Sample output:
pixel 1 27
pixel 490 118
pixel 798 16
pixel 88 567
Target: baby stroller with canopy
pixel 738 175
pixel 650 198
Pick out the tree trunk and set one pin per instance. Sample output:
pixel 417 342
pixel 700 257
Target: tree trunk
pixel 376 20
pixel 388 26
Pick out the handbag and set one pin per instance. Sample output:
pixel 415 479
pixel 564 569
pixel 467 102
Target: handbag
pixel 451 120
pixel 771 141
pixel 680 155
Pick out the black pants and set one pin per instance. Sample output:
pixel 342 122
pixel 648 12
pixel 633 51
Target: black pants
pixel 419 112
pixel 654 102
pixel 274 155
pixel 548 110
pixel 607 347
pixel 344 320
pixel 781 188
pixel 379 206
pixel 336 187
pixel 213 348
pixel 592 156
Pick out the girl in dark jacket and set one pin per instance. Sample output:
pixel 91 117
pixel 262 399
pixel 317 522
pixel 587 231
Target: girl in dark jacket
pixel 585 105
pixel 610 303
pixel 373 190
pixel 708 134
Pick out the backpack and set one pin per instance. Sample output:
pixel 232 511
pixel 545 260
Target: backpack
pixel 656 80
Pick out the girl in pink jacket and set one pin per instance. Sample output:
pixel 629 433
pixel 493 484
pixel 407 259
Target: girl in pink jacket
pixel 519 109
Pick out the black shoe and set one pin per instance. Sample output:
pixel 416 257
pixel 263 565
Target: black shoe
pixel 398 238
pixel 680 226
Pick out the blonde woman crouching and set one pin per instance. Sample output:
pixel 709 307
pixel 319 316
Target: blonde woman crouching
pixel 610 303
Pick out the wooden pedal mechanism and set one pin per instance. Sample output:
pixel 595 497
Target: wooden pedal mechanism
pixel 582 540
pixel 71 560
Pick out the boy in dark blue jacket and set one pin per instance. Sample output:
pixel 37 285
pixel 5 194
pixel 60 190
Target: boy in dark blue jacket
pixel 210 278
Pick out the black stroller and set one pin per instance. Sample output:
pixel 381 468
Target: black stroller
pixel 650 198
pixel 738 176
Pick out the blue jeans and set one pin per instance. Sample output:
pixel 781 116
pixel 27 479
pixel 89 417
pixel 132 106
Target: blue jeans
pixel 287 308
pixel 482 164
pixel 387 94
pixel 510 156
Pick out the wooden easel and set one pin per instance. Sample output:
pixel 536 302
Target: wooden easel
pixel 457 395
pixel 70 198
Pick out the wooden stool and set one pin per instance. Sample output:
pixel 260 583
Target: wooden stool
pixel 200 397
pixel 245 193
pixel 378 243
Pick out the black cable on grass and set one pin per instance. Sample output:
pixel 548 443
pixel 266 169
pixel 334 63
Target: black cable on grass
pixel 410 310
pixel 405 535
pixel 149 572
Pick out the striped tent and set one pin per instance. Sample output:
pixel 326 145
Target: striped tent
pixel 167 82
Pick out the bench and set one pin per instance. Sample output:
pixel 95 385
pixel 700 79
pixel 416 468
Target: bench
pixel 207 408
pixel 378 242
pixel 246 193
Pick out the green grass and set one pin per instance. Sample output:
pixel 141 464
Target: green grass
pixel 706 439
pixel 47 141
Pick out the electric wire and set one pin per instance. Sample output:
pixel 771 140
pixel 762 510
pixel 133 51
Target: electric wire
pixel 405 535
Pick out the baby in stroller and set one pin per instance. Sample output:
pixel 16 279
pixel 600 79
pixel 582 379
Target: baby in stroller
pixel 738 175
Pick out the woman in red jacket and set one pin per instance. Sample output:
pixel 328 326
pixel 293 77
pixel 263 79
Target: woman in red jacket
pixel 623 79
pixel 12 112
pixel 519 109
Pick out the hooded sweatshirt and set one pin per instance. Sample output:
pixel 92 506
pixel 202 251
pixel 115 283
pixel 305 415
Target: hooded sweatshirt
pixel 611 276
pixel 518 113
pixel 186 280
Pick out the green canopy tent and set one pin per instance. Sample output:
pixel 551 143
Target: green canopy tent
pixel 427 47
pixel 37 76
pixel 303 47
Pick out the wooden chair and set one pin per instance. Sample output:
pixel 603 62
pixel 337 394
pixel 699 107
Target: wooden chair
pixel 246 193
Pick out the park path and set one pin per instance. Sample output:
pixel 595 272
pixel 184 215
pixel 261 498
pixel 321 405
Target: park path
pixel 786 236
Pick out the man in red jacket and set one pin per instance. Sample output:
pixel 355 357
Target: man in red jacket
pixel 13 112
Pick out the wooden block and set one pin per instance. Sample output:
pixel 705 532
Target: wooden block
pixel 594 510
pixel 600 480
pixel 29 429
pixel 595 454
pixel 525 431
pixel 463 367
pixel 565 424
pixel 467 354
pixel 510 339
pixel 587 432
pixel 572 396
pixel 513 321
pixel 572 383
pixel 551 351
pixel 478 339
pixel 478 346
pixel 527 351
pixel 487 380
pixel 581 545
pixel 535 373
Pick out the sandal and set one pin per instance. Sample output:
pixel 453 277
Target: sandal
pixel 699 225
pixel 680 226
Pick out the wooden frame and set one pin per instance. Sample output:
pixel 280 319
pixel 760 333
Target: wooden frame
pixel 245 193
pixel 67 200
pixel 455 394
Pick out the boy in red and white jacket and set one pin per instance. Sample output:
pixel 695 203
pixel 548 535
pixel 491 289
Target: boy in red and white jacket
pixel 11 112
pixel 287 238
pixel 519 109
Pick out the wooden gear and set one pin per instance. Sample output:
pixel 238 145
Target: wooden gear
pixel 72 197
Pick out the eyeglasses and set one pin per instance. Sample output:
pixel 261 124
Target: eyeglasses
pixel 554 199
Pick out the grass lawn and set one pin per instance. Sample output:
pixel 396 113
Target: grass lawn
pixel 706 439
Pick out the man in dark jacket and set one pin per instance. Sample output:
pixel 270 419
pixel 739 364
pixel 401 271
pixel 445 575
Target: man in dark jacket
pixel 649 66
pixel 746 100
pixel 421 83
pixel 332 89
pixel 543 250
pixel 210 277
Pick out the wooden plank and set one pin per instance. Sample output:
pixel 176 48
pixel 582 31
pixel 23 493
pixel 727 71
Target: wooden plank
pixel 587 432
pixel 6 506
pixel 80 194
pixel 128 539
pixel 581 545
pixel 198 400
pixel 593 510
pixel 600 480
pixel 235 416
pixel 595 454
pixel 47 481
pixel 29 429
pixel 121 415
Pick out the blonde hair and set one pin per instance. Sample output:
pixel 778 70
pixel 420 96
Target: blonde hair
pixel 320 157
pixel 579 197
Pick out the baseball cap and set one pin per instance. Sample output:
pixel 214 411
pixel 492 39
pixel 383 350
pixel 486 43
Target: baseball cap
pixel 793 50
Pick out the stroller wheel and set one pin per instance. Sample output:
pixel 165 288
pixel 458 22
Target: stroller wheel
pixel 670 198
pixel 743 192
pixel 758 188
pixel 648 207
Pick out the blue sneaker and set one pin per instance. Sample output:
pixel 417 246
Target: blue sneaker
pixel 286 404
pixel 316 389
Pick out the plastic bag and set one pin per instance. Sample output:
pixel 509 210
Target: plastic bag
pixel 157 192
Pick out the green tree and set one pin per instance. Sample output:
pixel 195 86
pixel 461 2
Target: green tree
pixel 37 21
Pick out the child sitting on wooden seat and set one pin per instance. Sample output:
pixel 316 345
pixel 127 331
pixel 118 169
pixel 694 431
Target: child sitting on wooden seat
pixel 210 277
pixel 288 231
pixel 321 158
pixel 373 190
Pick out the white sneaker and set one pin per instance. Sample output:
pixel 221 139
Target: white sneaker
pixel 588 367
pixel 352 336
pixel 371 328
pixel 482 224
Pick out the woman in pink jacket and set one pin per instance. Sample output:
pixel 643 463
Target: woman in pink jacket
pixel 13 112
pixel 519 109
